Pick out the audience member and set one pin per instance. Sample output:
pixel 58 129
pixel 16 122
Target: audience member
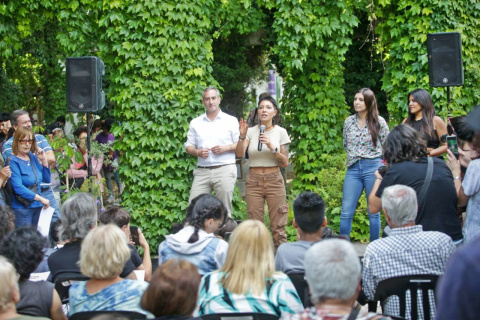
pixel 10 294
pixel 309 220
pixel 24 248
pixel 226 229
pixel 102 257
pixel 7 222
pixel 78 218
pixel 54 235
pixel 78 171
pixel 458 297
pixel 121 218
pixel 468 191
pixel 109 170
pixel 247 282
pixel 408 250
pixel 5 189
pixel 332 270
pixel 406 155
pixel 196 242
pixel 173 291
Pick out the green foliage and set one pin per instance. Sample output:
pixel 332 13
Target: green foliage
pixel 159 56
pixel 312 40
pixel 403 27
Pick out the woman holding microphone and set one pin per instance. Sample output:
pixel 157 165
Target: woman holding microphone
pixel 267 145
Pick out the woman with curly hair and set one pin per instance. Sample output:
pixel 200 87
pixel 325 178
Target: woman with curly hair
pixel 421 117
pixel 24 248
pixel 405 152
pixel 196 242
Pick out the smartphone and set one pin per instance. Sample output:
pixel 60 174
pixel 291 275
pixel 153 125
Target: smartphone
pixel 452 144
pixel 134 235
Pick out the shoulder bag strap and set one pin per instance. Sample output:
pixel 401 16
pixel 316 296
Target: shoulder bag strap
pixel 353 314
pixel 34 171
pixel 423 191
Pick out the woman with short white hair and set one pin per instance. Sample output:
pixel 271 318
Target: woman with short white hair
pixel 247 282
pixel 102 257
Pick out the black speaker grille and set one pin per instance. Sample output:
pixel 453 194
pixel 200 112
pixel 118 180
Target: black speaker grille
pixel 445 59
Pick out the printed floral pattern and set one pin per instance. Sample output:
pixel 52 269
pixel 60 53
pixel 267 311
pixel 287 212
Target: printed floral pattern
pixel 358 141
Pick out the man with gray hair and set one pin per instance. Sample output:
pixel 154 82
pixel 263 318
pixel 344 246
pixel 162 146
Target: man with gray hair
pixel 408 250
pixel 212 139
pixel 333 273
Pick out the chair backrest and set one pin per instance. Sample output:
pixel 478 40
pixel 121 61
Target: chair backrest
pixel 63 284
pixel 298 280
pixel 240 316
pixel 398 286
pixel 87 315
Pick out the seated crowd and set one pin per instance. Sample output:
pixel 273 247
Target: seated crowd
pixel 199 273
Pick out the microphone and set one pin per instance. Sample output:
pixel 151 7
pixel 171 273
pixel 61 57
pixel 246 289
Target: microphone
pixel 262 130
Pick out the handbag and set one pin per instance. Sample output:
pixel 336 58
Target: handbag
pixel 25 202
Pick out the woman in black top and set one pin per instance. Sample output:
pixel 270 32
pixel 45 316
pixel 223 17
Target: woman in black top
pixel 421 116
pixel 406 155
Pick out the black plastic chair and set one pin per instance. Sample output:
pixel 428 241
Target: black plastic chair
pixel 398 286
pixel 87 315
pixel 301 285
pixel 63 284
pixel 240 316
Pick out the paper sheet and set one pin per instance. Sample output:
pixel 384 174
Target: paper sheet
pixel 44 221
pixel 42 276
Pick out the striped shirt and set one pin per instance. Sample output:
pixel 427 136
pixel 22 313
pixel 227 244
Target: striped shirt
pixel 279 297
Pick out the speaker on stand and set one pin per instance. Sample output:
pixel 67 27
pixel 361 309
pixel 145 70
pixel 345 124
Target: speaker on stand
pixel 445 68
pixel 84 91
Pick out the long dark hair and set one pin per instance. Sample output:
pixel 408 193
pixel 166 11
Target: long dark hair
pixel 404 144
pixel 422 97
pixel 206 207
pixel 276 120
pixel 372 114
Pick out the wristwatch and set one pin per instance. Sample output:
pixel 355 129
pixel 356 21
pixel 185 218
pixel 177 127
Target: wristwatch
pixel 275 150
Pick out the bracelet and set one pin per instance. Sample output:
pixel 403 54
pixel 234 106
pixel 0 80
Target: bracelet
pixel 457 177
pixel 240 138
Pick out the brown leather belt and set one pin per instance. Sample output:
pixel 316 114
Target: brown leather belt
pixel 214 167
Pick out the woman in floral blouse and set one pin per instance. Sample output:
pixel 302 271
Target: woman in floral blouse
pixel 363 136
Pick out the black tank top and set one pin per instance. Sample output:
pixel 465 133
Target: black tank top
pixel 432 141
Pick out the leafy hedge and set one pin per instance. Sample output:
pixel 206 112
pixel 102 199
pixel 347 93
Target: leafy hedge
pixel 403 27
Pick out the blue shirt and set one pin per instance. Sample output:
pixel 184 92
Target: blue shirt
pixel 41 142
pixel 23 177
pixel 121 296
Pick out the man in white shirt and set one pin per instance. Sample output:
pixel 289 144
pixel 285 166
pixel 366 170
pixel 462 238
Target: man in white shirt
pixel 212 138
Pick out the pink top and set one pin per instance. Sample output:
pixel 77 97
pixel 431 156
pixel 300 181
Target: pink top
pixel 73 172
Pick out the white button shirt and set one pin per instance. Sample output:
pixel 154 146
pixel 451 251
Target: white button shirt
pixel 204 133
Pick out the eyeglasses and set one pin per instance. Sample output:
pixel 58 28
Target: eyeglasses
pixel 26 141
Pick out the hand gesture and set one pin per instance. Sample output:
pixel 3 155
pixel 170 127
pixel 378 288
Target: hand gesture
pixel 219 149
pixel 45 202
pixel 5 173
pixel 142 240
pixel 41 156
pixel 453 163
pixel 203 153
pixel 265 140
pixel 243 128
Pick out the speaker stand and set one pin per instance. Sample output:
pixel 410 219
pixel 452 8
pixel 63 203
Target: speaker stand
pixel 89 165
pixel 448 97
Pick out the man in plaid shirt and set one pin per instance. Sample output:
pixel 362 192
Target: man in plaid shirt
pixel 408 250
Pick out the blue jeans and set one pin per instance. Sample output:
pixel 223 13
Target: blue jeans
pixel 360 176
pixel 27 216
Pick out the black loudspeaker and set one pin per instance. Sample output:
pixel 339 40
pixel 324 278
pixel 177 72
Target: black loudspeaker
pixel 84 84
pixel 445 68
